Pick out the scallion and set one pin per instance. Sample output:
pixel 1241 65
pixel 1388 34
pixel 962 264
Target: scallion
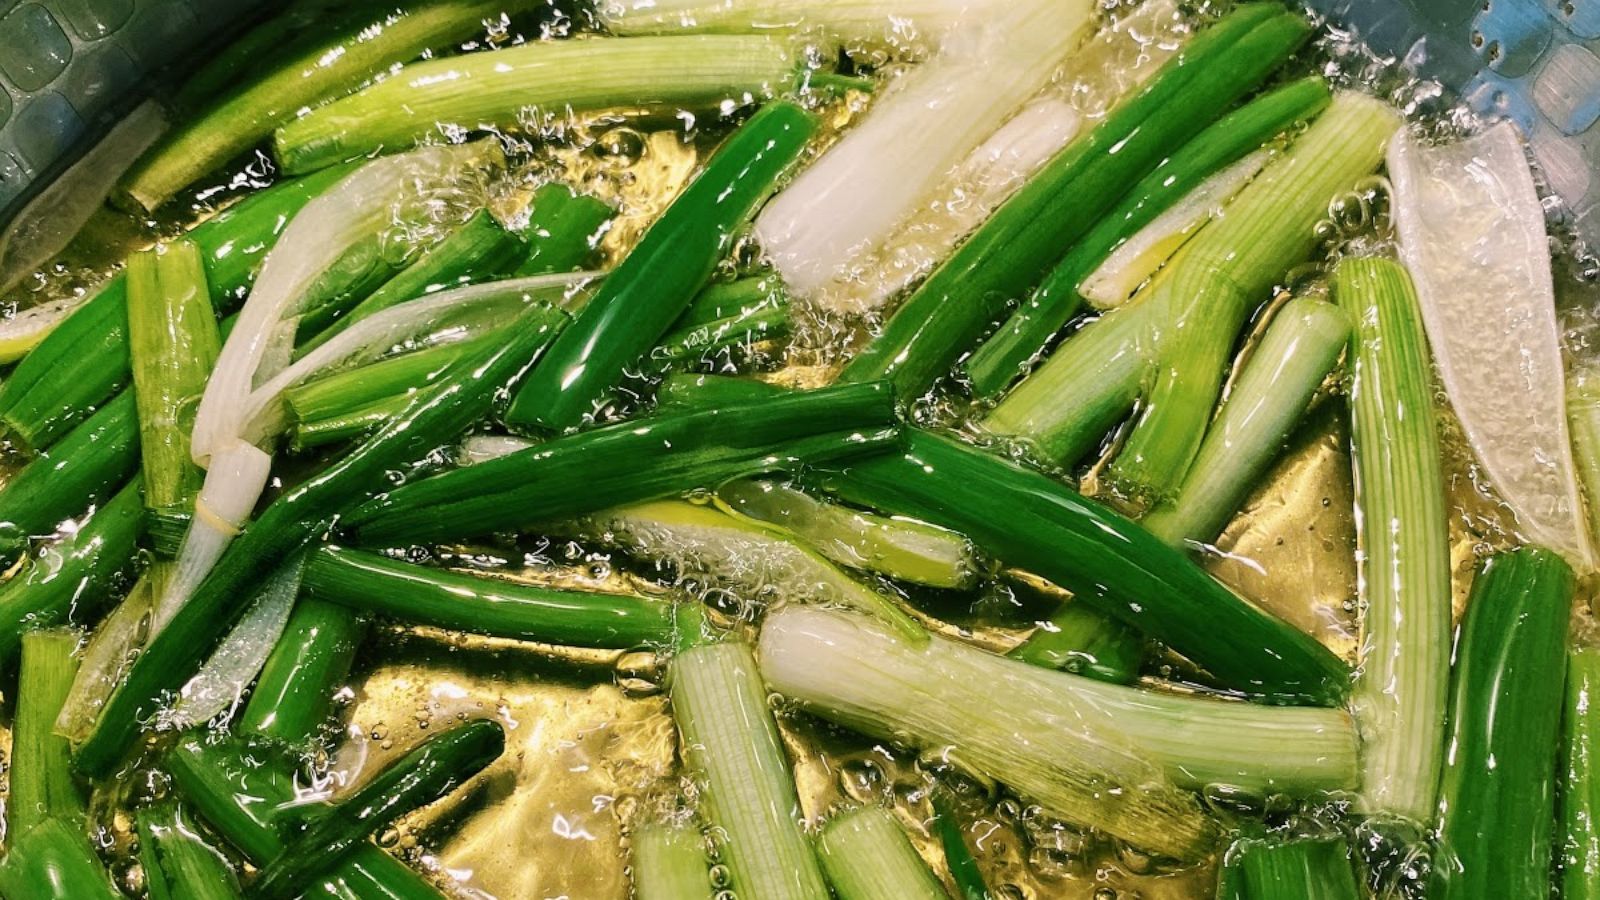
pixel 367 582
pixel 497 89
pixel 762 563
pixel 642 297
pixel 867 856
pixel 632 461
pixel 1284 371
pixel 178 863
pixel 898 548
pixel 55 862
pixel 849 199
pixel 1404 559
pixel 1578 822
pixel 731 745
pixel 41 782
pixel 668 862
pixel 426 773
pixel 73 576
pixel 946 316
pixel 1497 791
pixel 172 345
pixel 997 719
pixel 360 50
pixel 290 702
pixel 1002 357
pixel 1228 270
pixel 1030 521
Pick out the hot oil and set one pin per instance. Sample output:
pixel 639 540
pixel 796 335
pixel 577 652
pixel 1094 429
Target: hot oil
pixel 591 744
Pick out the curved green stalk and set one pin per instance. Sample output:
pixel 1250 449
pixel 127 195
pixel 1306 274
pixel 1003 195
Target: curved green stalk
pixel 364 48
pixel 947 315
pixel 247 793
pixel 85 468
pixel 648 291
pixel 426 773
pixel 75 575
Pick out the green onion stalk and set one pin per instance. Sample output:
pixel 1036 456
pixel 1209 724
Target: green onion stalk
pixel 1029 330
pixel 867 856
pixel 1085 642
pixel 1032 522
pixel 732 748
pixel 682 391
pixel 423 775
pixel 853 673
pixel 895 548
pixel 1404 574
pixel 628 462
pixel 1578 822
pixel 1497 793
pixel 317 648
pixel 668 862
pixel 1295 869
pixel 178 864
pixel 495 89
pixel 958 859
pixel 370 583
pixel 639 301
pixel 55 862
pixel 1228 270
pixel 945 317
pixel 85 360
pixel 1282 374
pixel 293 520
pixel 1583 416
pixel 562 231
pixel 86 467
pixel 1102 756
pixel 361 49
pixel 1065 407
pixel 74 576
pixel 41 782
pixel 172 345
pixel 761 562
pixel 479 250
pixel 345 404
pixel 246 792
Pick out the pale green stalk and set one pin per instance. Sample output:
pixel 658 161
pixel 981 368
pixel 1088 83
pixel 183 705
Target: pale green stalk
pixel 1404 541
pixel 669 863
pixel 868 857
pixel 731 747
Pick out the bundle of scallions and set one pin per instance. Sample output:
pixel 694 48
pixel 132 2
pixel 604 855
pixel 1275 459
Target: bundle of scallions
pixel 524 276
